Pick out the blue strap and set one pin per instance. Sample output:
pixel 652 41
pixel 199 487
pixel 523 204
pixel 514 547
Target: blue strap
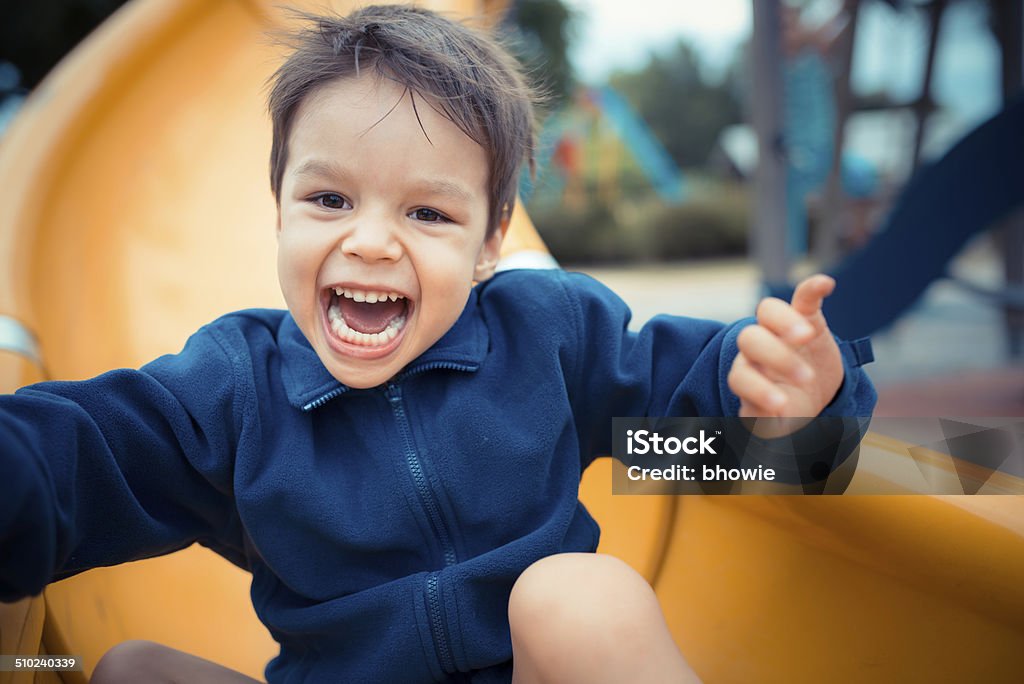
pixel 857 352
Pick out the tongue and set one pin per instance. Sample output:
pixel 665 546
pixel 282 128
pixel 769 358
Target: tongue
pixel 370 318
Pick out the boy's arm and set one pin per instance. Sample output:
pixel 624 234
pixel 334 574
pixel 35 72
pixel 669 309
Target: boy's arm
pixel 130 464
pixel 672 366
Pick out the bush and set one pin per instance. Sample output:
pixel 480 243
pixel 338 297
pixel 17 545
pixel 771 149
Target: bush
pixel 712 222
pixel 591 236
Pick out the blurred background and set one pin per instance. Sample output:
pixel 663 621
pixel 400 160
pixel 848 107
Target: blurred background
pixel 695 156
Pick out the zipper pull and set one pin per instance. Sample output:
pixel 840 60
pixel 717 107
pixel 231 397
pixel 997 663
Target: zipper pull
pixel 393 392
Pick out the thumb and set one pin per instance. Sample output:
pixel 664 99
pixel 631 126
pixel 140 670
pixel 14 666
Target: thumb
pixel 808 298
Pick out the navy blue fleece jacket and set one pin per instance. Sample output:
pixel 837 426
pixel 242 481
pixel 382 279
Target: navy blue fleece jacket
pixel 384 527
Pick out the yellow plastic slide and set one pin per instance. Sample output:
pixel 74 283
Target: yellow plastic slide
pixel 134 207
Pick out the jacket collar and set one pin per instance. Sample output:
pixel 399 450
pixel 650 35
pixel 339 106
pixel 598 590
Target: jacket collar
pixel 307 383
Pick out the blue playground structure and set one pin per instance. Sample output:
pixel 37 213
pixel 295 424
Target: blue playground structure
pixel 650 154
pixel 629 128
pixel 978 182
pixel 965 193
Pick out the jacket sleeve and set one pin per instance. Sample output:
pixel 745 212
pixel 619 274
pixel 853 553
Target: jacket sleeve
pixel 127 465
pixel 672 366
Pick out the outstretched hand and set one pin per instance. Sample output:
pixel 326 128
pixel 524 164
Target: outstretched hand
pixel 788 364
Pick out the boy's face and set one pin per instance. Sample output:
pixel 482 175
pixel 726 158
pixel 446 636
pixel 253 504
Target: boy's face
pixel 371 208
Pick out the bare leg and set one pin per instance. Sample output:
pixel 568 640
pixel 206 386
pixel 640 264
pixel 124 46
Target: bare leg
pixel 582 617
pixel 147 661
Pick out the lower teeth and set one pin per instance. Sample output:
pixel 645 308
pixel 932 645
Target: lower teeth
pixel 342 330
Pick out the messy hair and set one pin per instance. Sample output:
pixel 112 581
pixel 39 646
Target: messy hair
pixel 464 74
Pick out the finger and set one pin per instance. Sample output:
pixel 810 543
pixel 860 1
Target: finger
pixel 747 383
pixel 810 293
pixel 776 359
pixel 782 319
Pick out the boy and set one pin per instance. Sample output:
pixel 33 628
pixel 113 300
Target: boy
pixel 396 458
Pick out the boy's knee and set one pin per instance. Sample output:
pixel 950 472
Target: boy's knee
pixel 128 661
pixel 572 595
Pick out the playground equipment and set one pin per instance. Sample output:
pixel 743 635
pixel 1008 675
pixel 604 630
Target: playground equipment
pixel 135 208
pixel 974 185
pixel 560 141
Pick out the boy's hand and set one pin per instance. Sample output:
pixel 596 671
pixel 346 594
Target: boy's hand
pixel 789 364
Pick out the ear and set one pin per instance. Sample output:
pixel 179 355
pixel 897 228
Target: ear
pixel 277 228
pixel 490 252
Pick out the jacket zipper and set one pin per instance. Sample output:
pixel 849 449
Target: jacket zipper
pixel 432 365
pixel 435 365
pixel 317 403
pixel 394 395
pixel 437 623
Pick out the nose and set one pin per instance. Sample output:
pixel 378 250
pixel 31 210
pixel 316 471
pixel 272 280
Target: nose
pixel 372 240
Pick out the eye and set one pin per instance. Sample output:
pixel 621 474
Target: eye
pixel 329 200
pixel 429 216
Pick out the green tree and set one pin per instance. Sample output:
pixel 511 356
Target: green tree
pixel 541 32
pixel 684 109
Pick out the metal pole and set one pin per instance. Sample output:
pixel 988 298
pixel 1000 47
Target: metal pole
pixel 1008 21
pixel 833 207
pixel 925 105
pixel 768 228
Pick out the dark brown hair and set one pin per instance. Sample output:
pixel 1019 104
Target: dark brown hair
pixel 464 74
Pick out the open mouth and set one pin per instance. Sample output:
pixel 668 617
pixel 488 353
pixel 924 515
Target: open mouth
pixel 366 318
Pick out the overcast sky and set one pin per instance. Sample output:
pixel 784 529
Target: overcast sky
pixel 618 33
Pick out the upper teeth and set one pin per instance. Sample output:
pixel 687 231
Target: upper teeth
pixel 366 295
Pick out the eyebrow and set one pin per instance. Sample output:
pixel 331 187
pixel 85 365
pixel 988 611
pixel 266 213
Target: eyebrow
pixel 446 188
pixel 437 186
pixel 320 167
